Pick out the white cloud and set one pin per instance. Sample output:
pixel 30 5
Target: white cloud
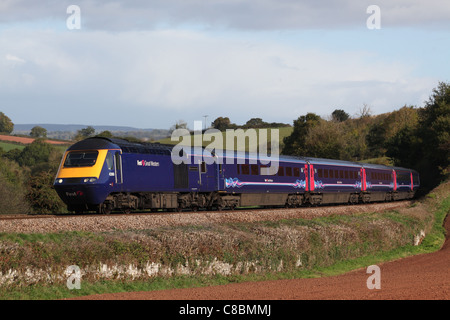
pixel 14 59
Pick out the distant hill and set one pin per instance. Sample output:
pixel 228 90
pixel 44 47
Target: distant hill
pixel 68 131
pixel 74 127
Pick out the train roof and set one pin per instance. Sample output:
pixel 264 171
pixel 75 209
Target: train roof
pixel 124 145
pixel 332 162
pixel 166 149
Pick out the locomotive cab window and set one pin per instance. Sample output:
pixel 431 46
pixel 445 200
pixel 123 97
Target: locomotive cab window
pixel 81 159
pixel 110 160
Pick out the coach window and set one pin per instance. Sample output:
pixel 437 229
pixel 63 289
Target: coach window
pixel 289 171
pixel 245 169
pixel 203 167
pixel 341 174
pixel 261 168
pixel 346 174
pixel 281 171
pixel 254 168
pixel 296 172
pixel 320 173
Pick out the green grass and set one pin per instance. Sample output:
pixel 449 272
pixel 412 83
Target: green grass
pixel 7 146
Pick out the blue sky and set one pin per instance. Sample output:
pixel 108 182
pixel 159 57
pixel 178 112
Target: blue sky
pixel 149 64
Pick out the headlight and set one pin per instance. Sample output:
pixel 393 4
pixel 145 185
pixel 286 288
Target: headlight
pixel 92 179
pixel 59 180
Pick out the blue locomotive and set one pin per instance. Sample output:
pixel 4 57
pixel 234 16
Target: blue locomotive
pixel 106 174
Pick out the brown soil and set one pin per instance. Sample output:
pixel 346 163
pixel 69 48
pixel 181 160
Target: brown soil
pixel 25 140
pixel 423 277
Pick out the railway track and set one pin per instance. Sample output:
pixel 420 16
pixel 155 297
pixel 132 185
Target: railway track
pixel 149 220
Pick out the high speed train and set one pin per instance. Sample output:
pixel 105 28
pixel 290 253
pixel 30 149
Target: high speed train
pixel 106 174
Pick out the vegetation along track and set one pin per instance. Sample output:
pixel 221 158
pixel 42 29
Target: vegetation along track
pixel 140 221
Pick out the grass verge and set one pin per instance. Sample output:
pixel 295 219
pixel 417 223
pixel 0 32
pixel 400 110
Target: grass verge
pixel 237 252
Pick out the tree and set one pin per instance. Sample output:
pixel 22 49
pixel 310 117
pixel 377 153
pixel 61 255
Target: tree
pixel 35 153
pixel 6 125
pixel 404 148
pixel 222 123
pixel 434 129
pixel 85 133
pixel 325 140
pixel 364 111
pixel 387 126
pixel 255 123
pixel 38 132
pixel 295 143
pixel 339 115
pixel 105 134
pixel 180 124
pixel 426 146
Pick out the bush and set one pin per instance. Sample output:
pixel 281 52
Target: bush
pixel 41 194
pixel 12 190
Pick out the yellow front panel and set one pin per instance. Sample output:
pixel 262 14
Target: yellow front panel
pixel 84 172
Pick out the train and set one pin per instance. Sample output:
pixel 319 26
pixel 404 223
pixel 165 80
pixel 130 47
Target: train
pixel 108 174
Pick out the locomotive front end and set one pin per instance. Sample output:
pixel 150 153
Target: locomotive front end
pixel 87 174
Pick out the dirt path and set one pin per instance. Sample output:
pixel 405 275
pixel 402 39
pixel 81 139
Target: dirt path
pixel 421 277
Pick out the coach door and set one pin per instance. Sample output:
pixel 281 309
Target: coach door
pixel 363 179
pixel 309 177
pixel 207 176
pixel 118 168
pixel 220 178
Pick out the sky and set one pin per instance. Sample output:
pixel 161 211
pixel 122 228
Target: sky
pixel 149 64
